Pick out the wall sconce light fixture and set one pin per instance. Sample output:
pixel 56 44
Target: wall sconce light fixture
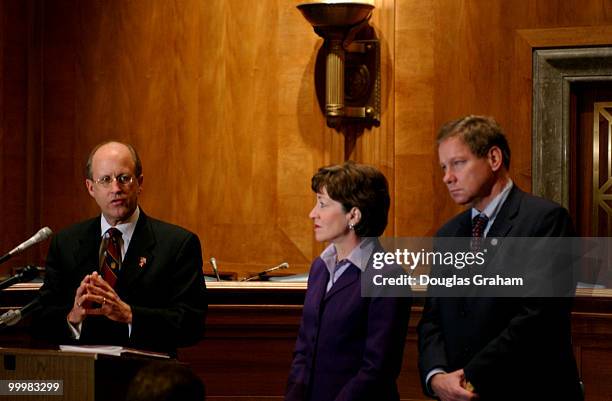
pixel 352 77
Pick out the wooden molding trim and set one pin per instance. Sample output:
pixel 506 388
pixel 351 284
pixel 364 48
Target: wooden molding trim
pixel 567 36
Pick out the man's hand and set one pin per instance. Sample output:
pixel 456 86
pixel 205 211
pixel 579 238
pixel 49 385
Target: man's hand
pixel 94 290
pixel 79 308
pixel 450 387
pixel 112 307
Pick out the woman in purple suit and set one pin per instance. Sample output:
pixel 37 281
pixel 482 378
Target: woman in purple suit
pixel 349 347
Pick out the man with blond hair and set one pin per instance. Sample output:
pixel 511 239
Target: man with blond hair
pixel 493 347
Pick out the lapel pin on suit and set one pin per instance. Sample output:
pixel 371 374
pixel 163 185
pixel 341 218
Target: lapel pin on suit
pixel 142 262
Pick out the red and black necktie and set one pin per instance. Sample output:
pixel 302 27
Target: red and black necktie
pixel 479 223
pixel 111 258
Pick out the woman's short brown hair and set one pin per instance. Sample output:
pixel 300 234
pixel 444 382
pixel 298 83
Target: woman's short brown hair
pixel 360 186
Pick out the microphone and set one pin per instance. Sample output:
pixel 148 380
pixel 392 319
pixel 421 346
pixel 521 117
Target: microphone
pixel 13 316
pixel 262 274
pixel 213 263
pixel 40 236
pixel 26 274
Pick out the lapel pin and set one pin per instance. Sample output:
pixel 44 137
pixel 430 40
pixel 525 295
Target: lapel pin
pixel 142 262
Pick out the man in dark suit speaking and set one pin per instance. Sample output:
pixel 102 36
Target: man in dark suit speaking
pixel 122 278
pixel 495 348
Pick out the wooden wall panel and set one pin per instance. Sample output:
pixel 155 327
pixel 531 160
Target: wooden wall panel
pixel 376 146
pixel 253 174
pixel 219 98
pixel 464 61
pixel 18 185
pixel 198 88
pixel 63 144
pixel 414 113
pixel 221 105
pixel 301 129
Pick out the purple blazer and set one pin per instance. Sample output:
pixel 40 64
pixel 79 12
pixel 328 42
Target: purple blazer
pixel 348 347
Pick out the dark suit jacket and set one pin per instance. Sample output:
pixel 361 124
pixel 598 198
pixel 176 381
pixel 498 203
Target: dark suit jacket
pixel 509 348
pixel 348 347
pixel 161 279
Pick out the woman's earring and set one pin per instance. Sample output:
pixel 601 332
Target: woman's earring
pixel 351 226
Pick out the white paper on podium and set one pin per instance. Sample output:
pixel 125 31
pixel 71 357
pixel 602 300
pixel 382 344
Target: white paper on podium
pixel 93 349
pixel 110 350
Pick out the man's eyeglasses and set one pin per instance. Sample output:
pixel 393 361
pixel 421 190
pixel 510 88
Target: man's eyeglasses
pixel 122 179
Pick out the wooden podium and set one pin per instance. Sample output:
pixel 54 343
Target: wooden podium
pixel 85 377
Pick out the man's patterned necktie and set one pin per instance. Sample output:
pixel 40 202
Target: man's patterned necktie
pixel 479 223
pixel 111 260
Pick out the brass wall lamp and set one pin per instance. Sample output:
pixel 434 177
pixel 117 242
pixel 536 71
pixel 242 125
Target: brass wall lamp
pixel 352 77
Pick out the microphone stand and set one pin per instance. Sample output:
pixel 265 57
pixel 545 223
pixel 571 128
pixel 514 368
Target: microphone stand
pixel 26 274
pixel 263 274
pixel 14 316
pixel 213 263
